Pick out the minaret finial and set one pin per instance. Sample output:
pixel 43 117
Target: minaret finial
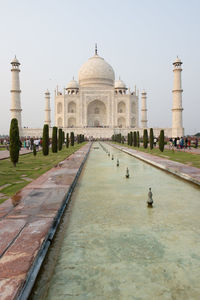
pixel 96 53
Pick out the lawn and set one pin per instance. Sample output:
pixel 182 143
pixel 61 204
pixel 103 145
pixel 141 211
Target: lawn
pixel 29 168
pixel 179 156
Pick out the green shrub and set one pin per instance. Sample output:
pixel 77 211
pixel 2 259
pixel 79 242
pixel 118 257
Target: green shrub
pixel 138 139
pixel 151 138
pixel 162 140
pixel 60 137
pixel 54 140
pixel 34 150
pixel 131 138
pixel 135 139
pixel 145 139
pixel 14 141
pixel 67 140
pixel 72 138
pixel 63 137
pixel 45 140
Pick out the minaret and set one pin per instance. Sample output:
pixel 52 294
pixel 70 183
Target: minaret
pixel 47 119
pixel 144 110
pixel 177 123
pixel 15 92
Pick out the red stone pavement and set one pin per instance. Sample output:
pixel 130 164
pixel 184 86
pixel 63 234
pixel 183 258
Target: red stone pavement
pixel 187 172
pixel 26 220
pixel 6 154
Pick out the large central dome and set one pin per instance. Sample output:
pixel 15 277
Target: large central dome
pixel 96 71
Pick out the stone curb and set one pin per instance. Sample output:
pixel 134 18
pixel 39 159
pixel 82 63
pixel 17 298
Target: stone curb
pixel 160 166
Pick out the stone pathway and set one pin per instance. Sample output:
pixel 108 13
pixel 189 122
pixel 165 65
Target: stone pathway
pixel 6 154
pixel 27 222
pixel 184 171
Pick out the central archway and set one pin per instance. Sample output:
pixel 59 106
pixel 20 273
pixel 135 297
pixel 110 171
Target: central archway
pixel 96 114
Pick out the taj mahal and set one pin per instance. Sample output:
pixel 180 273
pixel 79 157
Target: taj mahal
pixel 97 105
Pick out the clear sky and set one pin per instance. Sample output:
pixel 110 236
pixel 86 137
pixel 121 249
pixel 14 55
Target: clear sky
pixel 140 39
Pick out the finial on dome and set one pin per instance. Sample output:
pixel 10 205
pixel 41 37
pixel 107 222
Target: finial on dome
pixel 73 77
pixel 96 53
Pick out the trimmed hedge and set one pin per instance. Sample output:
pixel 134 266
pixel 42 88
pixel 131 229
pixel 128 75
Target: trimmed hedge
pixel 14 141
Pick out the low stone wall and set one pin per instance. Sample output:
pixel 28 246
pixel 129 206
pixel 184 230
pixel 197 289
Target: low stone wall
pixel 28 222
pixel 90 132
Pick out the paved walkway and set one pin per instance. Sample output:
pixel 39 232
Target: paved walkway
pixel 6 154
pixel 186 172
pixel 28 221
pixel 192 150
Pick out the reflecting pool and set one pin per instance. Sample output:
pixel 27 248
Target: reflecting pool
pixel 110 245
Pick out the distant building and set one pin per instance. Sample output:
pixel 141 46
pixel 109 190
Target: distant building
pixel 98 105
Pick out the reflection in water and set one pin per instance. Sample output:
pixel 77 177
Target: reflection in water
pixel 112 246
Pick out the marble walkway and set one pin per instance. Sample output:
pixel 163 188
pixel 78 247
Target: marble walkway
pixel 186 172
pixel 28 221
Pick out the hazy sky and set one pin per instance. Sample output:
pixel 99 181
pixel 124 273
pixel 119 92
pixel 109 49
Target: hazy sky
pixel 140 39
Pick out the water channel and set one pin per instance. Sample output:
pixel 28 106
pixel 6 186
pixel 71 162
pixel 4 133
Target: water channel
pixel 111 246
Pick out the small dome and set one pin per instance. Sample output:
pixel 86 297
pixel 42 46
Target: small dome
pixel 119 84
pixel 15 61
pixel 96 71
pixel 47 92
pixel 177 61
pixel 73 84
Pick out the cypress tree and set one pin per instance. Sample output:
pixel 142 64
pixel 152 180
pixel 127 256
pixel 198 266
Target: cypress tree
pixel 138 139
pixel 63 137
pixel 14 142
pixel 72 138
pixel 34 150
pixel 145 138
pixel 162 140
pixel 131 138
pixel 135 139
pixel 54 140
pixel 45 140
pixel 151 138
pixel 67 140
pixel 60 137
pixel 128 139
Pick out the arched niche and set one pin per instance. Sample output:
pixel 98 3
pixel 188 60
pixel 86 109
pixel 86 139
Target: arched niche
pixel 133 122
pixel 71 122
pixel 121 108
pixel 60 122
pixel 96 114
pixel 133 108
pixel 59 108
pixel 121 122
pixel 71 107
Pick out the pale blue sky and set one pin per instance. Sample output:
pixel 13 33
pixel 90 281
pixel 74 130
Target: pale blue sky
pixel 140 39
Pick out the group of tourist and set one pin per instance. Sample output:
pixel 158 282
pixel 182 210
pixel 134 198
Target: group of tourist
pixel 28 143
pixel 182 143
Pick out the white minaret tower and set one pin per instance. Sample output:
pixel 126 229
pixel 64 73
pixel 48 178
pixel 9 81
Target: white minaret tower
pixel 144 109
pixel 47 119
pixel 177 123
pixel 15 92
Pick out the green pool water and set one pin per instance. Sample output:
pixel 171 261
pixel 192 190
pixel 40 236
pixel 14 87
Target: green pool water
pixel 111 246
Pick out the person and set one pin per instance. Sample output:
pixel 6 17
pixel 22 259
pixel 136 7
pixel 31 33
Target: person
pixel 189 144
pixel 186 142
pixel 177 142
pixel 196 143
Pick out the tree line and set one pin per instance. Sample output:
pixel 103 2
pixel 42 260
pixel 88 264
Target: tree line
pixel 134 139
pixel 58 139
